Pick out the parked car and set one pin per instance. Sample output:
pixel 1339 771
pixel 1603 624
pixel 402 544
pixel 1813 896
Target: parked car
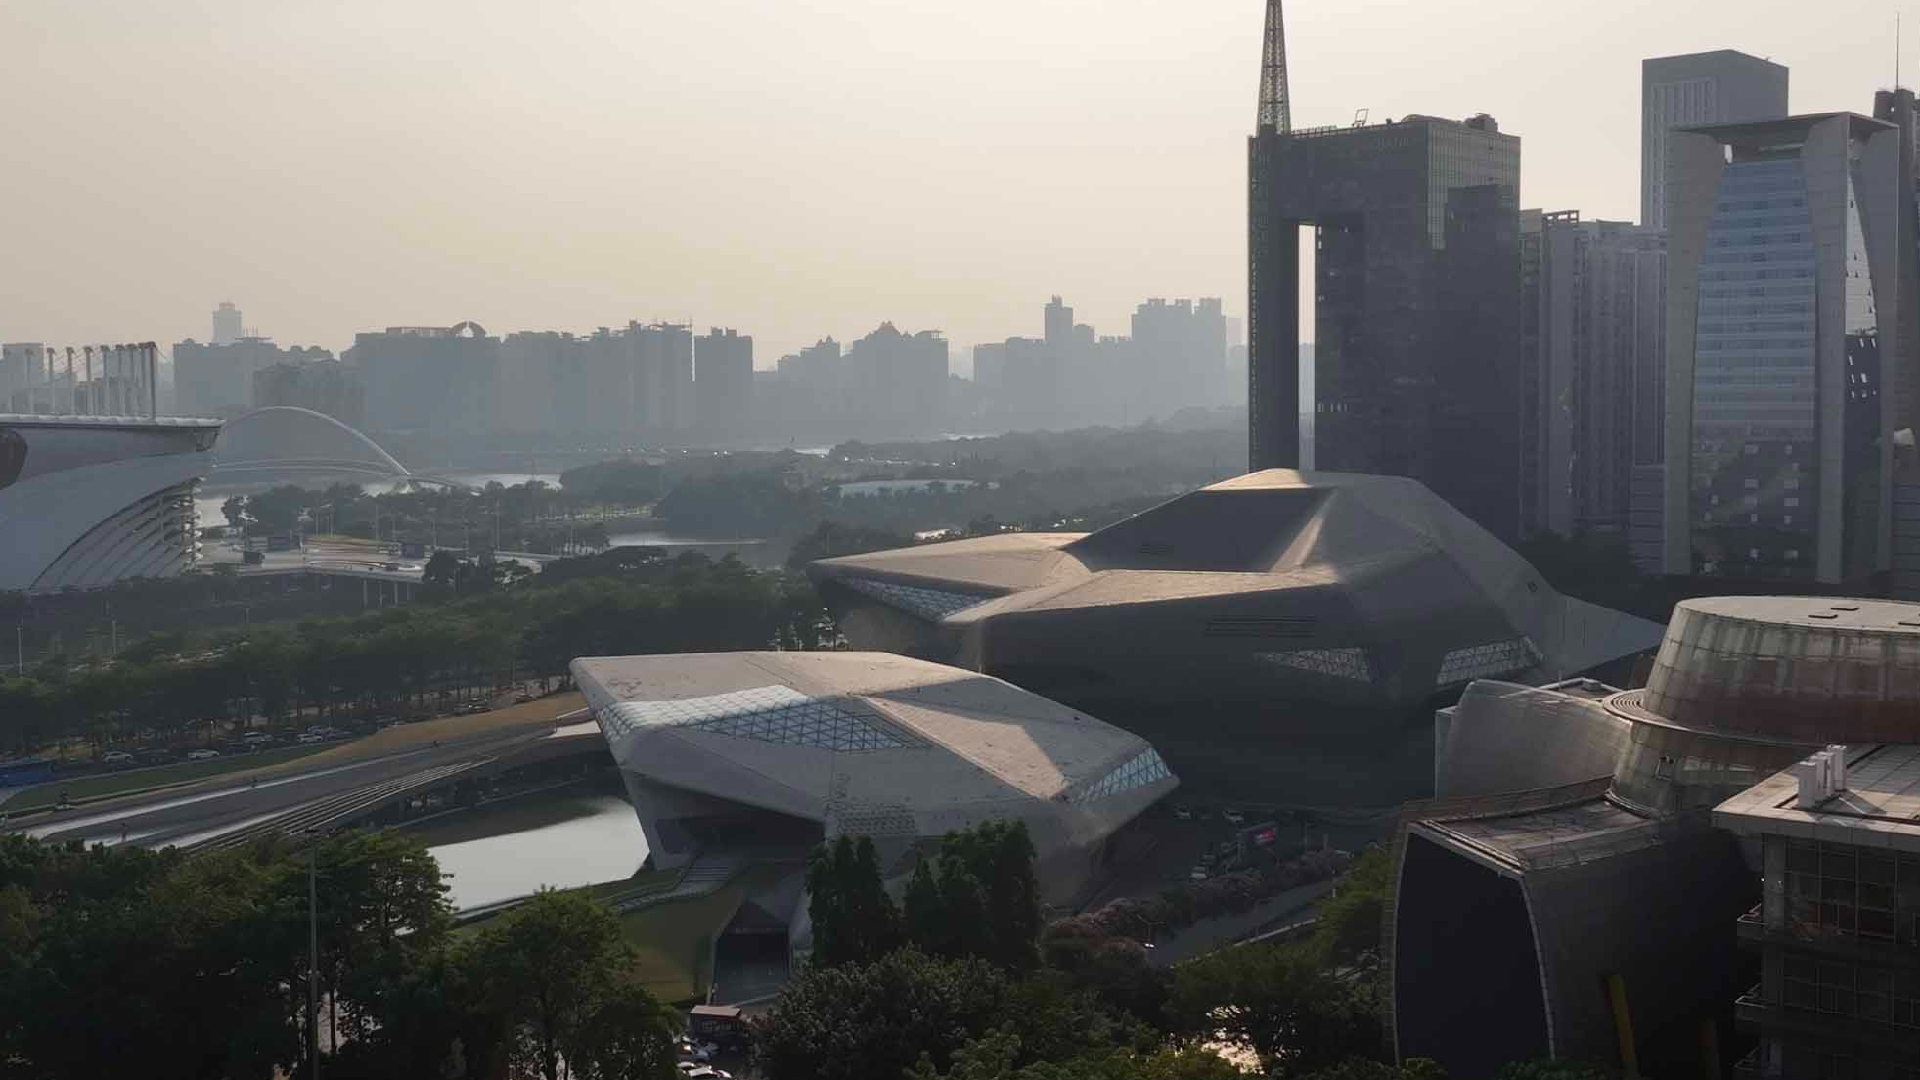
pixel 116 759
pixel 202 755
pixel 474 708
pixel 1233 816
pixel 1182 812
pixel 309 739
pixel 523 699
pixel 1198 873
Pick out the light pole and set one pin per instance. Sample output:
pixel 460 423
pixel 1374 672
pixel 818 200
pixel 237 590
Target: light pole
pixel 313 953
pixel 20 648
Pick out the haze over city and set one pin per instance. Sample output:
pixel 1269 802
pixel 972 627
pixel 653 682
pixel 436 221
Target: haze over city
pixel 795 170
pixel 874 540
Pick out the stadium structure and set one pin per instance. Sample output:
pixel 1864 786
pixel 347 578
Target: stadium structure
pixel 1238 625
pixel 1536 912
pixel 90 500
pixel 768 754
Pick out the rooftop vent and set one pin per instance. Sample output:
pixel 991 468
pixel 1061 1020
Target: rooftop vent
pixel 1821 777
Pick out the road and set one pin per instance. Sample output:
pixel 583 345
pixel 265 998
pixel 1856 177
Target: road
pixel 196 812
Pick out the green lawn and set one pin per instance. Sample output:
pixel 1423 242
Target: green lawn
pixel 93 787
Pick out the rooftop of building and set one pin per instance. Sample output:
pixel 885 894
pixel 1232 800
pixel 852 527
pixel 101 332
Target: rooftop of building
pixel 1711 54
pixel 1752 130
pixel 1878 807
pixel 879 708
pixel 1842 613
pixel 44 420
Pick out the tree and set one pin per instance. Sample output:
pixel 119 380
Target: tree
pixel 551 964
pixel 986 901
pixel 1369 1069
pixel 857 1021
pixel 1551 1070
pixel 1280 1002
pixel 629 1036
pixel 854 920
pixel 1348 928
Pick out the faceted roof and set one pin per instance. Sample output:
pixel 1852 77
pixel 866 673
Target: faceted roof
pixel 797 732
pixel 1355 577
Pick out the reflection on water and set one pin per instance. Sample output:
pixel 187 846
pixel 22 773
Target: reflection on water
pixel 562 839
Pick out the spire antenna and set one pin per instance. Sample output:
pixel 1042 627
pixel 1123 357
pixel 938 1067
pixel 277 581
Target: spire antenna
pixel 1276 114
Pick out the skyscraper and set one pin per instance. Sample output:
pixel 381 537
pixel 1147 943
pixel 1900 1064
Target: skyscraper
pixel 1592 321
pixel 227 328
pixel 1781 292
pixel 723 383
pixel 1717 87
pixel 1417 279
pixel 435 382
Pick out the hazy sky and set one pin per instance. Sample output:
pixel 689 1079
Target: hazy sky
pixel 792 168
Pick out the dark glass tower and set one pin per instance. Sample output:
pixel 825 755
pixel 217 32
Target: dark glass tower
pixel 1417 317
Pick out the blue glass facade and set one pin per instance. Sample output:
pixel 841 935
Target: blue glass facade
pixel 1754 472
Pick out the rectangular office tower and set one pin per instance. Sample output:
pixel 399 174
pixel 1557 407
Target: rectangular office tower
pixel 1417 275
pixel 1719 87
pixel 1783 247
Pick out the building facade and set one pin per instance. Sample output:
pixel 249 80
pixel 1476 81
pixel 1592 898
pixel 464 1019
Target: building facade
pixel 87 501
pixel 1417 275
pixel 1592 324
pixel 431 381
pixel 1716 87
pixel 218 379
pixel 1837 928
pixel 1781 289
pixel 227 325
pixel 723 384
pixel 324 386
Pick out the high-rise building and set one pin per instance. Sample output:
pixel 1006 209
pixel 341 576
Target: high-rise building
pixel 1781 292
pixel 1592 319
pixel 432 381
pixel 227 328
pixel 541 373
pixel 1181 348
pixel 218 379
pixel 1417 278
pixel 899 381
pixel 723 383
pixel 1717 87
pixel 663 367
pixel 322 385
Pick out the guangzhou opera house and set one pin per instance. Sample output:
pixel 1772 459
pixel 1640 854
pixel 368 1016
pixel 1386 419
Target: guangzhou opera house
pixel 769 753
pixel 1281 637
pixel 90 500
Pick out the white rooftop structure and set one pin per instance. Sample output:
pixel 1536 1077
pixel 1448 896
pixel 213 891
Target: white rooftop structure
pixel 781 750
pixel 90 500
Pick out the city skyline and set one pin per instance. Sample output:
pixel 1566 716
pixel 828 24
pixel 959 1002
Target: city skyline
pixel 400 190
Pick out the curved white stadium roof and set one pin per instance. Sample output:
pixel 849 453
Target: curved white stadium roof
pixel 866 743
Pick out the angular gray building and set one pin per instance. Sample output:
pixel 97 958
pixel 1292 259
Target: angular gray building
pixel 1279 637
pixel 1417 286
pixel 1783 304
pixel 766 754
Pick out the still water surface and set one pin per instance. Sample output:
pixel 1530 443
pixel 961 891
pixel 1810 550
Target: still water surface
pixel 561 838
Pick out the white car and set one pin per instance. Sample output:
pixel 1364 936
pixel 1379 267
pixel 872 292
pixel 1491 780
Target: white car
pixel 116 757
pixel 1234 816
pixel 310 738
pixel 202 755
